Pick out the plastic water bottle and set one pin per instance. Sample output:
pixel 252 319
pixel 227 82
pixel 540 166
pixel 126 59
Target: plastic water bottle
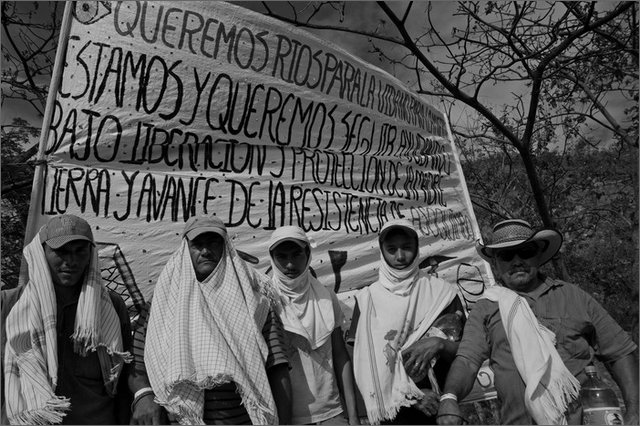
pixel 599 402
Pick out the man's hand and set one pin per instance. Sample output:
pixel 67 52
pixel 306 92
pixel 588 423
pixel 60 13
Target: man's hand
pixel 429 403
pixel 354 420
pixel 631 417
pixel 147 412
pixel 416 357
pixel 449 413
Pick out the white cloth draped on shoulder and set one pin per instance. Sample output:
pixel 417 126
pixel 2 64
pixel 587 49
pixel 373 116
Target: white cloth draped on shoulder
pixel 395 312
pixel 550 386
pixel 31 357
pixel 203 334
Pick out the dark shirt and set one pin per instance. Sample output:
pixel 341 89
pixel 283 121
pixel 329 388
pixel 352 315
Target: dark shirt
pixel 80 378
pixel 583 330
pixel 222 404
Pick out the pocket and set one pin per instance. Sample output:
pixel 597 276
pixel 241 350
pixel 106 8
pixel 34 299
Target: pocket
pixel 574 335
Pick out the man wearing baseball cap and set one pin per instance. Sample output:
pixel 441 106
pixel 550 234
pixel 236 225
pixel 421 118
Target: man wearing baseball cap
pixel 67 336
pixel 539 334
pixel 321 369
pixel 211 347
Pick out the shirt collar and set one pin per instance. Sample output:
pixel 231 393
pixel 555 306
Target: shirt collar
pixel 546 285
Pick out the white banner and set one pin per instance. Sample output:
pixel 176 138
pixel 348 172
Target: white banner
pixel 167 110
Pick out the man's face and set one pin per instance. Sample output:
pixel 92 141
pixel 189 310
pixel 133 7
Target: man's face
pixel 399 249
pixel 206 250
pixel 69 262
pixel 518 267
pixel 290 258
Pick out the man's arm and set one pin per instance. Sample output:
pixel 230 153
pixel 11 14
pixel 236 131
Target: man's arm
pixel 625 373
pixel 343 370
pixel 472 351
pixel 460 379
pixel 144 410
pixel 280 383
pixel 123 398
pixel 277 366
pixel 611 341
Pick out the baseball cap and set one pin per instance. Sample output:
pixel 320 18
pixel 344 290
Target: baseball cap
pixel 197 225
pixel 289 233
pixel 65 228
pixel 403 224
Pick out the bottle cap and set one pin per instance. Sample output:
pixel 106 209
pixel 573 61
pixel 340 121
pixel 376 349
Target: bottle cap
pixel 590 369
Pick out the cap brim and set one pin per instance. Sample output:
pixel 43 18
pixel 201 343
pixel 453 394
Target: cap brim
pixel 551 237
pixel 302 244
pixel 203 230
pixel 57 242
pixel 385 231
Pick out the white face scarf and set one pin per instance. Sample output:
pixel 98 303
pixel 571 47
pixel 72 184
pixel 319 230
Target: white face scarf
pixel 308 308
pixel 395 312
pixel 398 281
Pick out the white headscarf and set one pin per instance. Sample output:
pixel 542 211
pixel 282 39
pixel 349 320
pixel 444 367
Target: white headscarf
pixel 398 281
pixel 308 307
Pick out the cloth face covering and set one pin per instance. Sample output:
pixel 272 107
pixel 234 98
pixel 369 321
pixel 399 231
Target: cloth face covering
pixel 395 312
pixel 307 305
pixel 214 330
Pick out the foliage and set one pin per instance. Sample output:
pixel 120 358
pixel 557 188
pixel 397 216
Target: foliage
pixel 562 62
pixel 15 203
pixel 29 50
pixel 30 34
pixel 591 193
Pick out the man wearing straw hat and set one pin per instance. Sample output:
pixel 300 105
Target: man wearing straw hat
pixel 67 337
pixel 539 334
pixel 211 350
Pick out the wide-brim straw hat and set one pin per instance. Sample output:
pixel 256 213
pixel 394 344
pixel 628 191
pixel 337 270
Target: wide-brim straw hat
pixel 515 232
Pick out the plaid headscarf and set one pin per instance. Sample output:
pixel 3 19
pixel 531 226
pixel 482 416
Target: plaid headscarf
pixel 203 334
pixel 31 360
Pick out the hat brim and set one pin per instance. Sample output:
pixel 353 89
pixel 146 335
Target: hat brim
pixel 301 243
pixel 193 233
pixel 551 238
pixel 384 232
pixel 57 242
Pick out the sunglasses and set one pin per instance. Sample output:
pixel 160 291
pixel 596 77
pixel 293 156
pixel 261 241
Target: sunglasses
pixel 526 252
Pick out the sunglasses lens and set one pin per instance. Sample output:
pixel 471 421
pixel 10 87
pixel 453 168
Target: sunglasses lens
pixel 528 252
pixel 523 253
pixel 506 256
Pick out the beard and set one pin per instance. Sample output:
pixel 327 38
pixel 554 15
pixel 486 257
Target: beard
pixel 519 278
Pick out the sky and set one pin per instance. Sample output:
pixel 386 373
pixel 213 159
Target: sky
pixel 368 16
